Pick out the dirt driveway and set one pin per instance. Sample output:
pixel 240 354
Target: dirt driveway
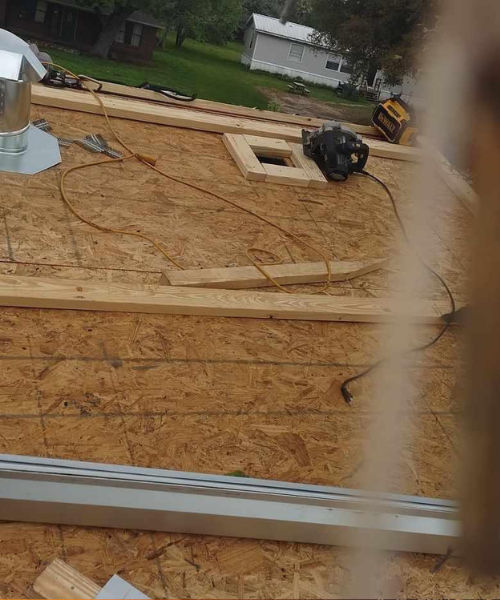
pixel 302 105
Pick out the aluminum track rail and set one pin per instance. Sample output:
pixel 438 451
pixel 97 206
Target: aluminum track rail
pixel 90 494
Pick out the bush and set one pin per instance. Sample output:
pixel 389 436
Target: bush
pixel 274 106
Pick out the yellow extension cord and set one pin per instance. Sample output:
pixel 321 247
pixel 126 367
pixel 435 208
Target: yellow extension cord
pixel 151 163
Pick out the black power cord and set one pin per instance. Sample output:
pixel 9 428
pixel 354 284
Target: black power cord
pixel 448 319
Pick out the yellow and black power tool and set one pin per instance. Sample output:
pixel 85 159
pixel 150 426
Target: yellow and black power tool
pixel 397 121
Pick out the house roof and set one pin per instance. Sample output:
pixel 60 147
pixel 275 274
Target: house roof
pixel 139 16
pixel 290 31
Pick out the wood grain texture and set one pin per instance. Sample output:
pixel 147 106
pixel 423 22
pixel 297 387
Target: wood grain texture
pixel 161 115
pixel 227 109
pixel 60 581
pixel 382 149
pixel 239 278
pixel 286 175
pixel 34 292
pixel 244 157
pixel 268 147
pixel 301 161
pixel 192 119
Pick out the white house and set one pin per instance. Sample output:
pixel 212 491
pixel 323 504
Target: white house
pixel 287 49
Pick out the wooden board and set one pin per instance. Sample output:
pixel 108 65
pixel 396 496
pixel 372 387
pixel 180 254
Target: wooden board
pixel 59 581
pixel 286 175
pixel 244 157
pixel 239 278
pixel 301 172
pixel 268 147
pixel 34 292
pixel 161 115
pixel 228 109
pixel 300 160
pixel 192 119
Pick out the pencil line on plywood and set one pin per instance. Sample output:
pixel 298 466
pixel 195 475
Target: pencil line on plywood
pixel 208 361
pixel 213 413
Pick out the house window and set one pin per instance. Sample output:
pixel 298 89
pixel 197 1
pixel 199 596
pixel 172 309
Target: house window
pixel 252 40
pixel 345 68
pixel 26 9
pixel 130 34
pixel 333 62
pixel 41 11
pixel 296 53
pixel 136 39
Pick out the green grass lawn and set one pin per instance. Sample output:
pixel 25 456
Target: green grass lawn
pixel 213 72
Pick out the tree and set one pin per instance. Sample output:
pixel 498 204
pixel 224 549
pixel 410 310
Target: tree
pixel 113 14
pixel 212 21
pixel 375 34
pixel 298 11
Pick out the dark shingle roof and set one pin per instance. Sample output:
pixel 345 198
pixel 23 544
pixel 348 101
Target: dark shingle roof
pixel 139 16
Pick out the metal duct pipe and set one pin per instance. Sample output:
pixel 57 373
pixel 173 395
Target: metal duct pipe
pixel 23 148
pixel 15 105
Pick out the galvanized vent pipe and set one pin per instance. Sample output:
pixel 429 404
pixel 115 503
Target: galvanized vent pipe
pixel 23 148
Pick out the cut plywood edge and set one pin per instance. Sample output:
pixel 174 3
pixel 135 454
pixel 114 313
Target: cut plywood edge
pixel 286 175
pixel 301 161
pixel 268 146
pixel 244 157
pixel 60 581
pixel 34 292
pixel 239 278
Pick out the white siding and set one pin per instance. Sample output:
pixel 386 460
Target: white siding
pixel 249 41
pixel 276 55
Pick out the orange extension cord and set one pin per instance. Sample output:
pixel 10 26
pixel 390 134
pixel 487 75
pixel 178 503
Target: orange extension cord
pixel 151 164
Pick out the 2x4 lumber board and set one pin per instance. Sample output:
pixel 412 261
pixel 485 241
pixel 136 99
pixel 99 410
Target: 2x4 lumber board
pixel 382 149
pixel 268 147
pixel 458 185
pixel 34 292
pixel 244 157
pixel 453 180
pixel 221 108
pixel 191 119
pixel 239 278
pixel 59 581
pixel 286 175
pixel 301 161
pixel 161 115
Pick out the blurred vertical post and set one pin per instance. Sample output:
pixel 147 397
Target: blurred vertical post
pixel 480 29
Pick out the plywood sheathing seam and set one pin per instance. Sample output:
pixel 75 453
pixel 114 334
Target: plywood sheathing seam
pixel 209 394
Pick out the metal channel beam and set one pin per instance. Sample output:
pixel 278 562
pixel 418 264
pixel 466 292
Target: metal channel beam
pixel 88 494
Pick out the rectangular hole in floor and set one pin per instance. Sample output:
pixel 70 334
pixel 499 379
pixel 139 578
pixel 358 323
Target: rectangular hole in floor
pixel 273 160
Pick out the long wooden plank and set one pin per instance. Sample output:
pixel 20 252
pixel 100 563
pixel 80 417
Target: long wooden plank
pixel 263 146
pixel 300 160
pixel 244 157
pixel 239 278
pixel 192 119
pixel 161 115
pixel 34 292
pixel 228 109
pixel 454 180
pixel 59 581
pixel 286 175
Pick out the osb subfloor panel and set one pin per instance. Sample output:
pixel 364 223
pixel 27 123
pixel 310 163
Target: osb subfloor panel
pixel 205 394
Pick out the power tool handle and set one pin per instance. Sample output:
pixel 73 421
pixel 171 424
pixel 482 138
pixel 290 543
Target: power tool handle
pixel 362 152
